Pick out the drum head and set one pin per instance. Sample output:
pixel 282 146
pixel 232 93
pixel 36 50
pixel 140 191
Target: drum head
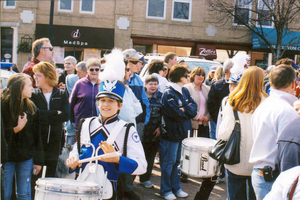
pixel 67 186
pixel 199 142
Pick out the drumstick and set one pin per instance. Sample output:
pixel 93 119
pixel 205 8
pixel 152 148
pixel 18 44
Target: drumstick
pixel 107 155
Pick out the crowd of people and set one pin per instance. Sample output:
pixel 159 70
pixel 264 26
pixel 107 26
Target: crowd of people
pixel 105 105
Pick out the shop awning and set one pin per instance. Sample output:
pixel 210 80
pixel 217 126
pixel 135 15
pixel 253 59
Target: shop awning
pixel 77 36
pixel 290 39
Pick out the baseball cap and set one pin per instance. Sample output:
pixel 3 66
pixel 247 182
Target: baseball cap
pixel 142 58
pixel 213 68
pixel 132 53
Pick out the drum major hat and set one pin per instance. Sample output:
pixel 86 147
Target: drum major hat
pixel 112 89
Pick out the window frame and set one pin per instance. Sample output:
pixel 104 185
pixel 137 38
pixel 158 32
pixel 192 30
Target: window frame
pixel 248 6
pixel 9 7
pixel 86 12
pixel 190 10
pixel 65 10
pixel 153 17
pixel 260 3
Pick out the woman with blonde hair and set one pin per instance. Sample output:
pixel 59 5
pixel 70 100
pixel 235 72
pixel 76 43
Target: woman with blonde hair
pixel 245 98
pixel 219 73
pixel 22 136
pixel 54 109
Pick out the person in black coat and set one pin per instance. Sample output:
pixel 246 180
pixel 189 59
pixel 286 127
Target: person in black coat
pixel 22 152
pixel 54 110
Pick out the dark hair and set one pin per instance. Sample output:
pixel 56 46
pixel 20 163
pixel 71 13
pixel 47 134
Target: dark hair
pixel 176 72
pixel 169 56
pixel 155 66
pixel 151 78
pixel 196 71
pixel 285 61
pixel 282 76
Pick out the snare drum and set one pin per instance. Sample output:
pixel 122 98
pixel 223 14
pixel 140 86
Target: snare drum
pixel 195 160
pixel 65 189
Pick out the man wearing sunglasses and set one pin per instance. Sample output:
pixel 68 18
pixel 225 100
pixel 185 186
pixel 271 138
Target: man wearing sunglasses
pixel 42 50
pixel 132 58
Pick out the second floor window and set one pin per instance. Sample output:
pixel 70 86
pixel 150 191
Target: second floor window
pixel 87 6
pixel 65 5
pixel 156 9
pixel 9 4
pixel 242 12
pixel 264 17
pixel 182 10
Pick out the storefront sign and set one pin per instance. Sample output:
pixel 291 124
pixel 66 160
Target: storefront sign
pixel 59 55
pixel 207 51
pixel 91 53
pixel 74 36
pixel 290 40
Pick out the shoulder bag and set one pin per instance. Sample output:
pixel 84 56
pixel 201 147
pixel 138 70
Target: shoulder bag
pixel 228 152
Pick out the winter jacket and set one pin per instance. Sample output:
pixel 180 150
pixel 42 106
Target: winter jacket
pixel 137 87
pixel 83 100
pixel 25 144
pixel 289 146
pixel 50 121
pixel 177 122
pixel 155 118
pixel 218 91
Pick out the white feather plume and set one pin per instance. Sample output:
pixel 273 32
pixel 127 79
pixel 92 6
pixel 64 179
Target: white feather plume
pixel 114 66
pixel 239 60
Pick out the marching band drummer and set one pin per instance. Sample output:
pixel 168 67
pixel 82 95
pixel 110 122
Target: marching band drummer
pixel 109 102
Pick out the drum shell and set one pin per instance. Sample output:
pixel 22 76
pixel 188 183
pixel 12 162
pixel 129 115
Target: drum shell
pixel 195 161
pixel 65 189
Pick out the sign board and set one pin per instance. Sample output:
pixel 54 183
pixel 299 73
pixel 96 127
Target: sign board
pixel 207 51
pixel 77 36
pixel 59 55
pixel 290 40
pixel 91 53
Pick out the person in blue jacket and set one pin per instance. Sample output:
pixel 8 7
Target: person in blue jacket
pixel 178 110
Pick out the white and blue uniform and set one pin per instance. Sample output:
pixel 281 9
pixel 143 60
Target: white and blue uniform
pixel 135 162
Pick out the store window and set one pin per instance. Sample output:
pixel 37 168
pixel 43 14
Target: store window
pixel 87 6
pixel 156 9
pixel 182 10
pixel 65 5
pixel 9 4
pixel 264 17
pixel 242 12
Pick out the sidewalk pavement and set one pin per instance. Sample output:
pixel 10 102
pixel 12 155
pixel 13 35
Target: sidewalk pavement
pixel 191 187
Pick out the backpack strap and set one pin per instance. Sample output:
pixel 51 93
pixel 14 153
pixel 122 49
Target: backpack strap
pixel 126 139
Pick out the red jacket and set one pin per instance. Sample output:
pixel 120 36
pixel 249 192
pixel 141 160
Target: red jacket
pixel 28 70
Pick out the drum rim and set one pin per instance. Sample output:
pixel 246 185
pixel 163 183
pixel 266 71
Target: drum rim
pixel 51 184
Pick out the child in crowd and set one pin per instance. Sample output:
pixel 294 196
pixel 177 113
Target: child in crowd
pixel 150 139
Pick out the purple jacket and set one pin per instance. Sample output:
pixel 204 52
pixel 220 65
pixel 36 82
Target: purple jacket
pixel 83 101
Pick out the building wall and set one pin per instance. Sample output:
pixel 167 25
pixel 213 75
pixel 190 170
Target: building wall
pixel 108 12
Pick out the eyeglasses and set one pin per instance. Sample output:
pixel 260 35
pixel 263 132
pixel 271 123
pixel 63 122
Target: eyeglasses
pixel 127 69
pixel 200 74
pixel 50 48
pixel 92 69
pixel 134 62
pixel 186 76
